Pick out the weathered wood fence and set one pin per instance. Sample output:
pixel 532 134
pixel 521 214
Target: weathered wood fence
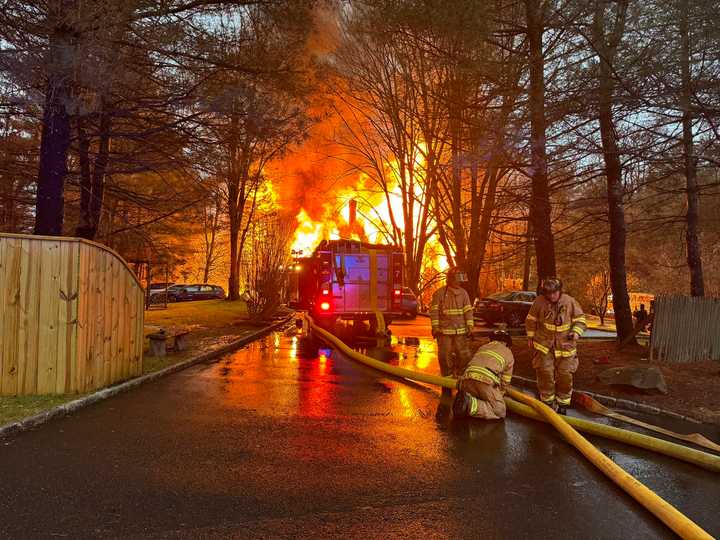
pixel 686 329
pixel 71 316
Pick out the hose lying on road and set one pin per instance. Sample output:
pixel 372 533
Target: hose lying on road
pixel 663 510
pixel 660 446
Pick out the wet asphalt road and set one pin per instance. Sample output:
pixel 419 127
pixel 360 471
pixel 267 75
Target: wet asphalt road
pixel 264 444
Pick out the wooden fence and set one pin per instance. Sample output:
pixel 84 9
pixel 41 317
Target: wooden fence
pixel 685 329
pixel 71 316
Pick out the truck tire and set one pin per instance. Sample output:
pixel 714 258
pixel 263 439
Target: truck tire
pixel 308 347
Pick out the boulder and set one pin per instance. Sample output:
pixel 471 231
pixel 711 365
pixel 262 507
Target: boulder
pixel 643 378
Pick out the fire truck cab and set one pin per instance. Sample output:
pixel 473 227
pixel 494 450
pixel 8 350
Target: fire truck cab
pixel 350 280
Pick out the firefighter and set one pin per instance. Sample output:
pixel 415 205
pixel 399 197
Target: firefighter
pixel 482 386
pixel 554 324
pixel 451 316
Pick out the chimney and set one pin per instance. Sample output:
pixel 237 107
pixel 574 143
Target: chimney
pixel 352 214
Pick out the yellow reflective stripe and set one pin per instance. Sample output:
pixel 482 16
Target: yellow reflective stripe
pixel 548 398
pixel 578 330
pixel 531 318
pixel 507 378
pixel 453 311
pixel 565 354
pixel 554 328
pixel 563 401
pixel 498 357
pixel 467 308
pixel 474 404
pixel 454 331
pixel 580 319
pixel 473 372
pixel 530 333
pixel 541 348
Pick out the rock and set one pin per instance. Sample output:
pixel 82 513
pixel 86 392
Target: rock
pixel 643 378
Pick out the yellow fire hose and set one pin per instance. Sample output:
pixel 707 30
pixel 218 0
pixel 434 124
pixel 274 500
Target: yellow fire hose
pixel 533 408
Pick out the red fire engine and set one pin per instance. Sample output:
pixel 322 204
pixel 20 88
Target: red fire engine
pixel 349 280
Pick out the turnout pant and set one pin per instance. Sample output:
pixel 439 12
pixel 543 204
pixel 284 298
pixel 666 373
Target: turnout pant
pixel 448 344
pixel 555 376
pixel 486 400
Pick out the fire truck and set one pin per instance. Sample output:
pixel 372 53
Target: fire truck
pixel 349 280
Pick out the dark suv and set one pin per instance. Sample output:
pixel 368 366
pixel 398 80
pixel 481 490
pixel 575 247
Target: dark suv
pixel 186 293
pixel 201 291
pixel 509 307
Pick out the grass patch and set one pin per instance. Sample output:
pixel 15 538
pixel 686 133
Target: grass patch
pixel 13 408
pixel 212 323
pixel 200 314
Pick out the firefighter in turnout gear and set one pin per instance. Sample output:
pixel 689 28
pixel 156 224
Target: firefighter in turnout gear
pixel 554 324
pixel 482 386
pixel 451 316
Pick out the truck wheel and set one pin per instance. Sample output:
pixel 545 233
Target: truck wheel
pixel 308 347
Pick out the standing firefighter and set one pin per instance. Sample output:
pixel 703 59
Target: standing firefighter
pixel 482 386
pixel 554 324
pixel 451 316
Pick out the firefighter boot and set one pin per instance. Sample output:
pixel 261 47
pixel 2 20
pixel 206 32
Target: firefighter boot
pixel 461 405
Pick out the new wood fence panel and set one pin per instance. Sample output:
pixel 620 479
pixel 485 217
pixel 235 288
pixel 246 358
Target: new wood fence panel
pixel 48 320
pixel 71 316
pixel 83 377
pixel 67 318
pixel 686 329
pixel 12 255
pixel 30 328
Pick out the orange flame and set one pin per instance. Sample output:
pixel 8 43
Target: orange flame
pixel 376 212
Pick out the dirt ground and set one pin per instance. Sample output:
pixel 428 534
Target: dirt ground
pixel 693 389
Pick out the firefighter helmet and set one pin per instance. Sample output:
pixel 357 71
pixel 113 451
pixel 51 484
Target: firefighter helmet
pixel 550 285
pixel 502 336
pixel 460 276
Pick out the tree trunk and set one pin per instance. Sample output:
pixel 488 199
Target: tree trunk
pixel 83 152
pixel 234 278
pixel 540 209
pixel 55 136
pixel 528 257
pixel 93 188
pixel 210 238
pixel 606 47
pixel 694 253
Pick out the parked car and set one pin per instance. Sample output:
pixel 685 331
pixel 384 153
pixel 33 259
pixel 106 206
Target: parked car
pixel 185 293
pixel 409 303
pixel 200 291
pixel 174 293
pixel 159 286
pixel 509 307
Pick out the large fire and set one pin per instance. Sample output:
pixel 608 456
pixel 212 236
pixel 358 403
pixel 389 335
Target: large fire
pixel 365 212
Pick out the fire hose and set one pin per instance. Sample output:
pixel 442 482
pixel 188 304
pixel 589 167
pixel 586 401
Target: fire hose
pixel 525 405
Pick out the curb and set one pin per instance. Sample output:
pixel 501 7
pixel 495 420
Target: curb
pixel 71 406
pixel 620 402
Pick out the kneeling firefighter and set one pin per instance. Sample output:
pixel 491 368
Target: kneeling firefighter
pixel 482 385
pixel 554 324
pixel 451 316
